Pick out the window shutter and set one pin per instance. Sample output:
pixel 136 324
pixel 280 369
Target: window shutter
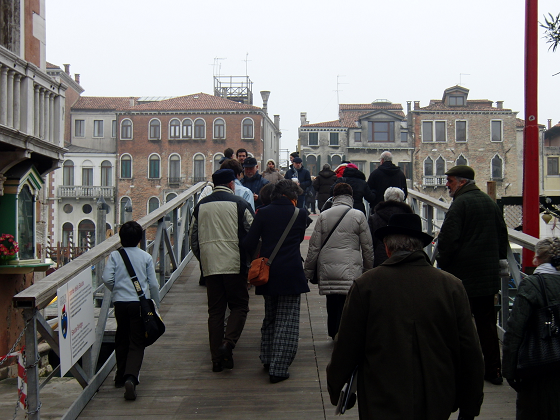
pixel 318 165
pixel 304 159
pixel 371 167
pixel 343 158
pixel 329 159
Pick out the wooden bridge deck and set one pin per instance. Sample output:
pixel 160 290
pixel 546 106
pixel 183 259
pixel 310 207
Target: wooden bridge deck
pixel 177 381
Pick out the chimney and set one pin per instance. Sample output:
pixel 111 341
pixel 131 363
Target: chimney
pixel 66 68
pixel 499 104
pixel 303 118
pixel 549 123
pixel 77 78
pixel 265 95
pixel 409 113
pixel 277 122
pixel 131 102
pixel 416 105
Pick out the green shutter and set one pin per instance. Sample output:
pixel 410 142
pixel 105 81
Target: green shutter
pixel 329 161
pixel 318 165
pixel 371 167
pixel 304 159
pixel 343 158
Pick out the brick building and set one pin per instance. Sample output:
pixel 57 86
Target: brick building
pixel 456 130
pixel 165 146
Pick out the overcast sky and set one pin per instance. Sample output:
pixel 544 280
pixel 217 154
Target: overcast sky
pixel 402 51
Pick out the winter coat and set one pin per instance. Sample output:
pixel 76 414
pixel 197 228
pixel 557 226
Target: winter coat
pixel 346 255
pixel 382 213
pixel 220 221
pixel 385 176
pixel 255 183
pixel 303 176
pixel 322 184
pixel 540 396
pixel 360 190
pixel 272 175
pixel 407 319
pixel 472 240
pixel 286 271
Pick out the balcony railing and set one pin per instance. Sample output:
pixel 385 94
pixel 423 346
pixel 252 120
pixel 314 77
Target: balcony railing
pixel 80 191
pixel 434 181
pixel 174 180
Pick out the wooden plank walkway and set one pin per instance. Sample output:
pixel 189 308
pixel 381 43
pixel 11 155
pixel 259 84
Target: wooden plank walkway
pixel 177 381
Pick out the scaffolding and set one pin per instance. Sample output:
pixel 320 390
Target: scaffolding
pixel 234 88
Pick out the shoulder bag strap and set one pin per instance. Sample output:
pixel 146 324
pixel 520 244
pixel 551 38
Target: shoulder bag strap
pixel 279 244
pixel 131 273
pixel 334 228
pixel 543 290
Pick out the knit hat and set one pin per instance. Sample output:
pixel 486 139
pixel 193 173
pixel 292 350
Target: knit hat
pixel 223 176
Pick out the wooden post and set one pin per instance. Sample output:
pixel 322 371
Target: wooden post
pixel 491 189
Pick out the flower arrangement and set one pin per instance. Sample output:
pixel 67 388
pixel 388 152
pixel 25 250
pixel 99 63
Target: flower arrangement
pixel 8 247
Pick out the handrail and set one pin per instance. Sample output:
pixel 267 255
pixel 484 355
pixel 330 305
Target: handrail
pixel 170 255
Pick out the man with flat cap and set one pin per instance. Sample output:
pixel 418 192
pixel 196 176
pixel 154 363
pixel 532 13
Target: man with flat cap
pixel 220 222
pixel 472 241
pixel 409 329
pixel 301 176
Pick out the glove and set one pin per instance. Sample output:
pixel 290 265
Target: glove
pixel 516 383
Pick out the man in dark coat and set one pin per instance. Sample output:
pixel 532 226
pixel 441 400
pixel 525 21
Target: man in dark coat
pixel 409 328
pixel 323 183
pixel 472 240
pixel 303 176
pixel 360 190
pixel 385 176
pixel 252 179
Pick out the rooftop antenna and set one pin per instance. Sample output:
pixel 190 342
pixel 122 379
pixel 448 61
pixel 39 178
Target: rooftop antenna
pixel 461 77
pixel 338 83
pixel 217 64
pixel 246 61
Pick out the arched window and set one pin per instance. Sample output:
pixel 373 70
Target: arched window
pixel 440 166
pixel 126 166
pixel 86 227
pixel 461 160
pixel 311 164
pixel 67 229
pixel 153 204
pixel 186 131
pixel 126 129
pixel 175 129
pixel 155 129
pixel 219 129
pixel 217 158
pixel 170 197
pixel 106 173
pixel 68 173
pixel 497 168
pixel 199 129
pixel 125 202
pixel 174 169
pixel 335 161
pixel 26 224
pixel 153 167
pixel 87 173
pixel 429 167
pixel 199 173
pixel 248 128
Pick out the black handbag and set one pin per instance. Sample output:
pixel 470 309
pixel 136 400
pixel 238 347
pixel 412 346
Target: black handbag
pixel 153 324
pixel 315 279
pixel 539 353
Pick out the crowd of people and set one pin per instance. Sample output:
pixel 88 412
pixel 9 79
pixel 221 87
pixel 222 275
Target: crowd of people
pixel 422 339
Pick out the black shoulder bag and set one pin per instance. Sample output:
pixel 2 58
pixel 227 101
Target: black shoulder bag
pixel 539 353
pixel 153 323
pixel 315 279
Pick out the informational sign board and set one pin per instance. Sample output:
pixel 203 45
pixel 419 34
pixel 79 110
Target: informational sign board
pixel 76 327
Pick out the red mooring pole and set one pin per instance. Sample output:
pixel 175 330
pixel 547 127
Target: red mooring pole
pixel 531 131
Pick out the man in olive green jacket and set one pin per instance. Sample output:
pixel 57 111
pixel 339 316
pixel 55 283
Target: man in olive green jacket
pixel 472 240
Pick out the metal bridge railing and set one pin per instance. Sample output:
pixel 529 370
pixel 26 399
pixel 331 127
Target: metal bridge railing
pixel 427 208
pixel 170 251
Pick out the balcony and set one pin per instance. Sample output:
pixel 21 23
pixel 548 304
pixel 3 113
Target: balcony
pixel 80 191
pixel 174 181
pixel 434 181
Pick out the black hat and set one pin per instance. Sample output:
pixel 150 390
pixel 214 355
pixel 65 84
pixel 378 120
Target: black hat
pixel 462 171
pixel 297 160
pixel 250 162
pixel 223 176
pixel 406 224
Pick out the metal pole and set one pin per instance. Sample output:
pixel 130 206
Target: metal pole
pixel 31 358
pixel 531 130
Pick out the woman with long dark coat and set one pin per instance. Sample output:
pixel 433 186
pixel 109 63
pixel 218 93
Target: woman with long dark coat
pixel 322 184
pixel 538 398
pixel 286 283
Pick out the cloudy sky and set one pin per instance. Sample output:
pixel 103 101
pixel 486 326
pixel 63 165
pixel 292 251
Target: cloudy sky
pixel 310 54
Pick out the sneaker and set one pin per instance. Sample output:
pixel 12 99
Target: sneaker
pixel 129 390
pixel 227 355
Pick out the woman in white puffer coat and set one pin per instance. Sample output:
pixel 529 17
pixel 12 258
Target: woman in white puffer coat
pixel 347 254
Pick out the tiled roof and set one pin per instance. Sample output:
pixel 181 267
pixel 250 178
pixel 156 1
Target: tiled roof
pixel 72 148
pixel 519 122
pixel 104 102
pixel 472 105
pixel 196 102
pixel 52 66
pixel 335 123
pixel 372 107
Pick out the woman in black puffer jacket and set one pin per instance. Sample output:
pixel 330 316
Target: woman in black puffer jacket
pixel 357 180
pixel 323 183
pixel 393 204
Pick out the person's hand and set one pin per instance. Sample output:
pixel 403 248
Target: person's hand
pixel 255 196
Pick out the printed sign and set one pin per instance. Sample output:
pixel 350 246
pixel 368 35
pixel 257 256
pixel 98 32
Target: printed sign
pixel 76 327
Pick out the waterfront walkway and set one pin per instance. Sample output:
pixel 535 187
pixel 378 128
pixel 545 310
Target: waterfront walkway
pixel 177 381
